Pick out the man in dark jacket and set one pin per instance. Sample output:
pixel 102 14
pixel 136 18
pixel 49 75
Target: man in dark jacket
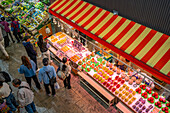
pixel 30 51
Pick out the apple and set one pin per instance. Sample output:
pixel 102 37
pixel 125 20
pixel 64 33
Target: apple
pixel 150 92
pixel 159 102
pixel 166 108
pixel 153 94
pixel 145 96
pixel 139 92
pixel 167 104
pixel 156 96
pixel 152 101
pixel 149 99
pixel 156 104
pixel 156 93
pixel 145 93
pixel 164 101
pixel 161 99
pixel 113 89
pixel 159 106
pixel 163 109
pixel 166 111
pixel 140 86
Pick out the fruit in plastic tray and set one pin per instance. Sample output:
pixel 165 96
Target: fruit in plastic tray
pixel 84 59
pixel 118 85
pixel 143 86
pixel 140 111
pixel 130 96
pixel 92 54
pixel 80 62
pixel 119 79
pixel 127 93
pixel 104 75
pixel 100 78
pixel 96 68
pixel 134 106
pixel 65 48
pixel 52 37
pixel 124 85
pixel 127 87
pixel 144 107
pixel 93 60
pixel 95 75
pixel 110 73
pixel 165 109
pixel 62 35
pixel 139 90
pixel 106 69
pixel 168 104
pixel 120 94
pixel 134 98
pixel 126 78
pixel 130 82
pixel 88 56
pixel 151 99
pixel 62 41
pixel 158 104
pixel 102 81
pixel 123 76
pixel 88 69
pixel 126 99
pixel 114 68
pixel 130 102
pixel 155 95
pixel 123 91
pixel 54 40
pixel 107 85
pixel 116 77
pixel 149 90
pixel 162 100
pixel 116 92
pixel 145 95
pixel 134 92
pixel 100 65
pixel 103 62
pixel 138 81
pixel 88 63
pixel 123 97
pixel 107 77
pixel 137 103
pixel 75 58
pixel 92 65
pixel 113 89
pixel 84 65
pixel 134 79
pixel 59 33
pixel 110 87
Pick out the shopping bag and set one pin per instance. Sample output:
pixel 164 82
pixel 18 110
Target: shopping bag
pixel 57 86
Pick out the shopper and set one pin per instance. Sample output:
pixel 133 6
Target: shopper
pixel 15 29
pixel 43 48
pixel 25 95
pixel 30 51
pixel 6 25
pixel 43 77
pixel 4 77
pixel 3 107
pixel 1 45
pixel 6 93
pixel 28 68
pixel 4 34
pixel 66 68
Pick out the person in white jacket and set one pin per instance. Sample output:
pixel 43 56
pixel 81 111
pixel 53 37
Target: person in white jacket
pixel 2 48
pixel 25 95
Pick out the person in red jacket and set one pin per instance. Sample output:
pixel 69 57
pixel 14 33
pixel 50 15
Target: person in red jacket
pixel 15 29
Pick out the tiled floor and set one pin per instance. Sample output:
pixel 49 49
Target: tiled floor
pixel 75 100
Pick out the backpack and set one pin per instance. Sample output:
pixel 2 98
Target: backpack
pixel 16 27
pixel 60 74
pixel 6 76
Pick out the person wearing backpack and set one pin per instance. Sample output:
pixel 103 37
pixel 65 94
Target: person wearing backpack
pixel 45 74
pixel 43 47
pixel 15 29
pixel 66 69
pixel 25 95
pixel 6 93
pixel 4 77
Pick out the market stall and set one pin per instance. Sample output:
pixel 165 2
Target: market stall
pixel 130 88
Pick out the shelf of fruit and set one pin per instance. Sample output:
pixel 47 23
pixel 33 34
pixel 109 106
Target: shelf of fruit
pixel 119 83
pixel 151 99
pixel 64 42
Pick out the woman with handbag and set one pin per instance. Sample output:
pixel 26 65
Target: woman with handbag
pixel 47 75
pixel 28 68
pixel 66 69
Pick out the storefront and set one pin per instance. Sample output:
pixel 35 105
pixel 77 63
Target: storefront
pixel 140 45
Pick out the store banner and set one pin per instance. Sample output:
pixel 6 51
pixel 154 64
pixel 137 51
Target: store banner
pixel 46 30
pixel 143 46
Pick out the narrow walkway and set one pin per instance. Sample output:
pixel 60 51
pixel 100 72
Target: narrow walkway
pixel 75 100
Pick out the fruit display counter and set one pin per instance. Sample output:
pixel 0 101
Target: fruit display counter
pixel 65 44
pixel 138 97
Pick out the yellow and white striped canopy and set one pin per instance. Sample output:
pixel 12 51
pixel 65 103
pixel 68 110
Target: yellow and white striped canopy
pixel 141 45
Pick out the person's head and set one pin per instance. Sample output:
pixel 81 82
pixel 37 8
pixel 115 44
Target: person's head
pixel 1 84
pixel 64 60
pixel 16 82
pixel 40 39
pixel 3 18
pixel 12 19
pixel 45 61
pixel 46 26
pixel 26 62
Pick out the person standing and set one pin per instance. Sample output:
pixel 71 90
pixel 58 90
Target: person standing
pixel 6 25
pixel 15 29
pixel 30 51
pixel 28 68
pixel 25 95
pixel 6 93
pixel 4 34
pixel 43 77
pixel 43 47
pixel 66 69
pixel 1 45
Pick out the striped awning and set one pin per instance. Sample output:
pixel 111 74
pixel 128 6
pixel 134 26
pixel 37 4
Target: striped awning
pixel 141 45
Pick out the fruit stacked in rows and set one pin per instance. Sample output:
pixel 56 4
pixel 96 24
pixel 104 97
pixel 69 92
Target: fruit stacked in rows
pixel 143 86
pixel 151 99
pixel 65 48
pixel 145 95
pixel 75 58
pixel 99 78
pixel 162 100
pixel 148 90
pixel 158 104
pixel 165 109
pixel 138 90
pixel 155 95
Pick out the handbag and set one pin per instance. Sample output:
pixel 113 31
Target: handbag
pixel 60 74
pixel 52 80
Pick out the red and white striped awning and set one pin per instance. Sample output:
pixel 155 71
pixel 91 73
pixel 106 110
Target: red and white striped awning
pixel 141 45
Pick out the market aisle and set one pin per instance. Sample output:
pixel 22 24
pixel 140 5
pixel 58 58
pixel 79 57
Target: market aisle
pixel 76 100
